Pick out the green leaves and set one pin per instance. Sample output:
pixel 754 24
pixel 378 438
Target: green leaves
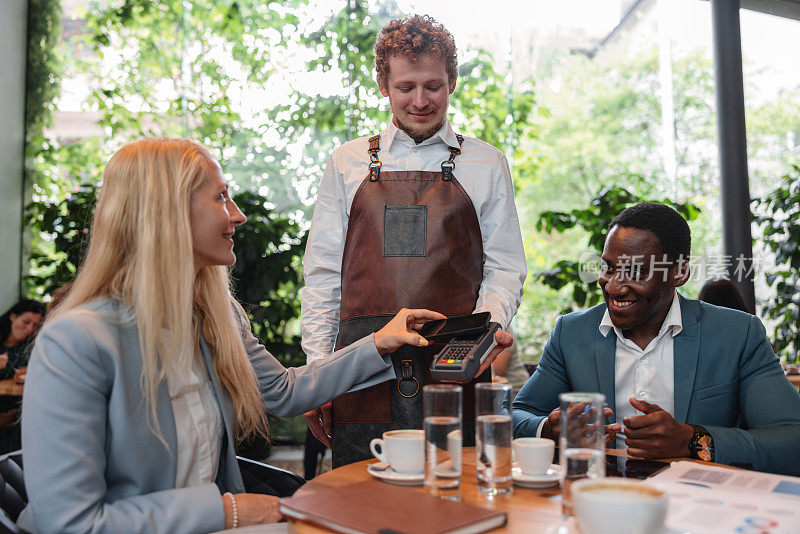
pixel 486 106
pixel 44 68
pixel 269 249
pixel 778 216
pixel 67 224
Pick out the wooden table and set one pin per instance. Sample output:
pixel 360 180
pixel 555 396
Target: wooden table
pixel 9 387
pixel 528 510
pixel 794 379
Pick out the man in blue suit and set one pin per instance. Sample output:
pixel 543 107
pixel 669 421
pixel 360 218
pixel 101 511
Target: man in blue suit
pixel 684 378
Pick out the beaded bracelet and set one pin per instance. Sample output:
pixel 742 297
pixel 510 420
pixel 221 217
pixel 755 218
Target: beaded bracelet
pixel 235 521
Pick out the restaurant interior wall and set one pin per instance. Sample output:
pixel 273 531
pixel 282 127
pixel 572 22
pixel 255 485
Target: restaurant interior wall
pixel 12 105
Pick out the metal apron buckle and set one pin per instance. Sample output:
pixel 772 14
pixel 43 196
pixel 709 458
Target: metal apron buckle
pixel 447 170
pixel 374 162
pixel 449 165
pixel 406 373
pixel 374 170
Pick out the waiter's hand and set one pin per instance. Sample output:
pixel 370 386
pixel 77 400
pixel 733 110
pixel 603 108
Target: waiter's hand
pixel 401 330
pixel 319 422
pixel 656 434
pixel 504 340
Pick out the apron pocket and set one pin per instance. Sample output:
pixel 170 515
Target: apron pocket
pixel 405 230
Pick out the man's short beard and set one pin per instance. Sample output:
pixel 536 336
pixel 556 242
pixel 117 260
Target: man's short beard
pixel 418 135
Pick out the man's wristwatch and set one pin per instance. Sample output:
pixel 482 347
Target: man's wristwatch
pixel 701 447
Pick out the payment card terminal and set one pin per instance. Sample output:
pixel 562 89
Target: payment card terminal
pixel 460 359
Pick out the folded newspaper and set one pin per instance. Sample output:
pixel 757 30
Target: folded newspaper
pixel 711 499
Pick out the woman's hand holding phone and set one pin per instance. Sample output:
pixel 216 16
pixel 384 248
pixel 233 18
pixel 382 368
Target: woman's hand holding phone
pixel 402 330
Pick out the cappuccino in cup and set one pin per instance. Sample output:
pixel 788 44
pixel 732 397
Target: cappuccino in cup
pixel 618 506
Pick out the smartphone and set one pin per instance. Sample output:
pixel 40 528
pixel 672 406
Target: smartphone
pixel 618 466
pixel 443 330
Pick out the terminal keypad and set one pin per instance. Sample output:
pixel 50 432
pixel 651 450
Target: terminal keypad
pixel 454 355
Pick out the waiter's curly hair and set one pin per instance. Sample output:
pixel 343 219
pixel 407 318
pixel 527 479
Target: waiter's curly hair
pixel 413 37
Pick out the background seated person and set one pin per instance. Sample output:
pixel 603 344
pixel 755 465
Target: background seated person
pixel 686 379
pixel 17 331
pixel 148 370
pixel 722 292
pixel 17 327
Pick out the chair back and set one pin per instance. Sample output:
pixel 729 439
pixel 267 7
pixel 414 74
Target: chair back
pixel 13 497
pixel 266 479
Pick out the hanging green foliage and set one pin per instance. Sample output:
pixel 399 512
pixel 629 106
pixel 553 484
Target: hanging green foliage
pixel 43 70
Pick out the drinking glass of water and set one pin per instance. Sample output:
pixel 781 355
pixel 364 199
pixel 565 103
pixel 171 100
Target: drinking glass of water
pixel 442 423
pixel 582 442
pixel 493 433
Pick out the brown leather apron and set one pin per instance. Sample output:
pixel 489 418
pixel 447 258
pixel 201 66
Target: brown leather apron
pixel 413 241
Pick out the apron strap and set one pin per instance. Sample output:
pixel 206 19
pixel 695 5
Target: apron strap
pixel 449 165
pixel 374 162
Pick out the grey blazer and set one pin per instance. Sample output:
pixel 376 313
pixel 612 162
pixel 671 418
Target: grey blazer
pixel 93 463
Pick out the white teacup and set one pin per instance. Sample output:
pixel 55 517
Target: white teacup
pixel 618 506
pixel 533 455
pixel 404 450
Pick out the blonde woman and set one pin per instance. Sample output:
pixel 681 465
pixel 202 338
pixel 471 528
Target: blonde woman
pixel 143 376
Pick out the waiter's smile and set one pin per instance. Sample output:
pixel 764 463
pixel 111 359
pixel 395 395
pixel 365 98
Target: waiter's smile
pixel 422 114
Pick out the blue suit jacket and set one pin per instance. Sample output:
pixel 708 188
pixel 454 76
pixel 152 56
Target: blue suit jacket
pixel 727 378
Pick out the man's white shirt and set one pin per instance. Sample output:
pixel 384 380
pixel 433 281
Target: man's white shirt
pixel 647 374
pixel 482 171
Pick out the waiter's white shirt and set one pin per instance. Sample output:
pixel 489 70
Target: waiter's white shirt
pixel 647 374
pixel 482 171
pixel 198 422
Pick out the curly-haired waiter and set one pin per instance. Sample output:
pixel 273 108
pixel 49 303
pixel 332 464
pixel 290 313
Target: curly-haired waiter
pixel 416 215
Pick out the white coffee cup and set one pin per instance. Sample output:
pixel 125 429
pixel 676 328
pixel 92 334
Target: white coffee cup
pixel 454 441
pixel 533 455
pixel 618 506
pixel 404 450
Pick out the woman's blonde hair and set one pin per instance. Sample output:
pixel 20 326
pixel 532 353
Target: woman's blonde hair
pixel 140 253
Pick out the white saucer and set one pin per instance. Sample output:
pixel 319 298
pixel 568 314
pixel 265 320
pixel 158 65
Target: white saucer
pixel 445 470
pixel 384 472
pixel 544 480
